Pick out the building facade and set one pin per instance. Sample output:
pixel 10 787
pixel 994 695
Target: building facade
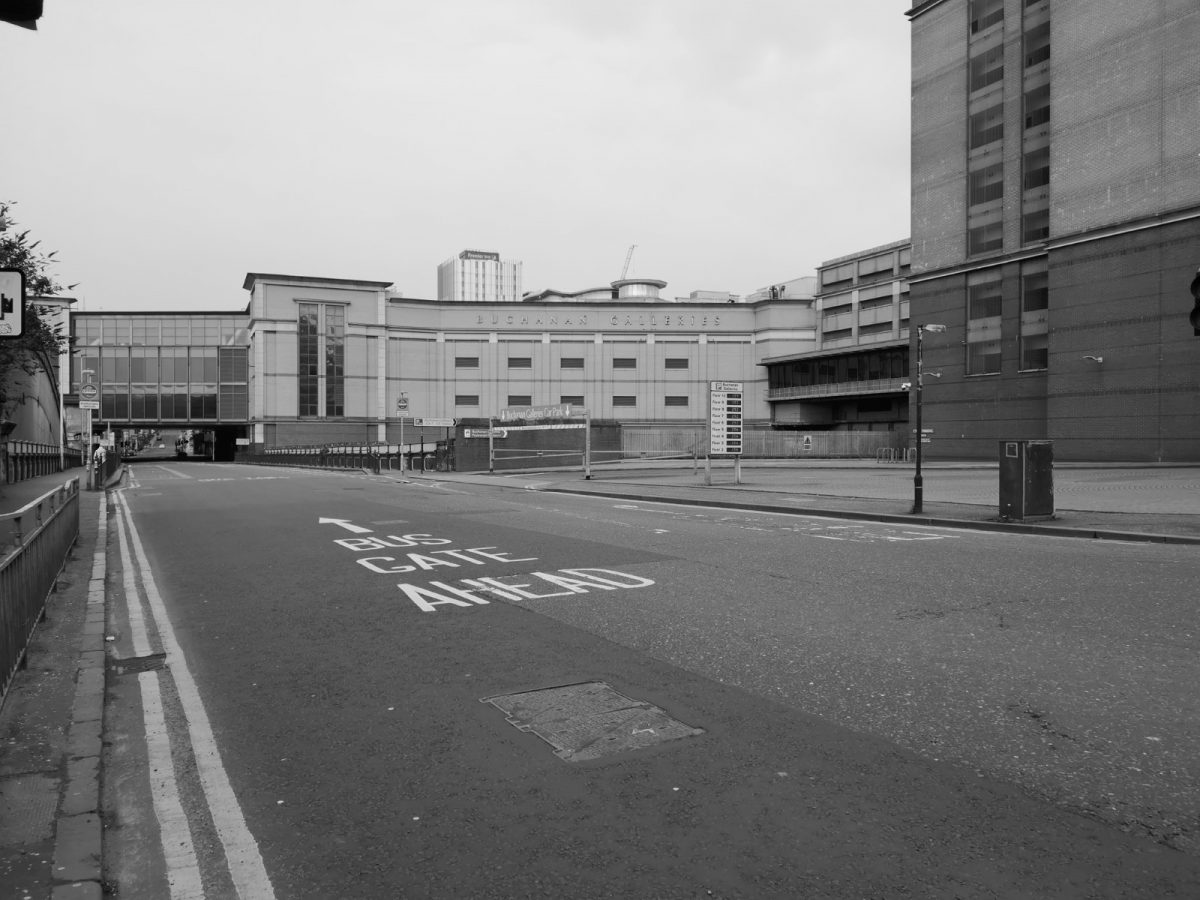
pixel 1056 224
pixel 331 359
pixel 479 276
pixel 854 377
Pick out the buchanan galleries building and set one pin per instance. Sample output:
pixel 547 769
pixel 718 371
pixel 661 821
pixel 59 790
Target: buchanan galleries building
pixel 325 361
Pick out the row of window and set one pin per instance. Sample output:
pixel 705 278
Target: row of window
pixel 985 323
pixel 872 267
pixel 150 331
pixel 618 400
pixel 985 178
pixel 571 362
pixel 209 403
pixel 122 366
pixel 848 368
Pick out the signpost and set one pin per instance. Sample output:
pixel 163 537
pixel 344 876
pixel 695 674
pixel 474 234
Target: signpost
pixel 12 303
pixel 89 399
pixel 724 426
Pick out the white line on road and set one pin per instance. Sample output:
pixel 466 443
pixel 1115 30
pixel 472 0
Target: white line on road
pixel 133 604
pixel 241 851
pixel 183 871
pixel 174 472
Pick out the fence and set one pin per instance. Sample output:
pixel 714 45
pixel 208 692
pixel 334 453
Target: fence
pixel 36 540
pixel 375 457
pixel 648 441
pixel 26 459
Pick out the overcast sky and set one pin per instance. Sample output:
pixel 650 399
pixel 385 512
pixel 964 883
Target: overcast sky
pixel 165 149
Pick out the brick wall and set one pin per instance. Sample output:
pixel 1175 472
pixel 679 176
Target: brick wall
pixel 939 137
pixel 1125 140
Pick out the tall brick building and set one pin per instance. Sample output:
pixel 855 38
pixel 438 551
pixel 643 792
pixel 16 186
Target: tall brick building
pixel 1056 224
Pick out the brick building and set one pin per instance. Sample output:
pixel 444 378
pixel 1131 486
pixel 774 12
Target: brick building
pixel 1056 224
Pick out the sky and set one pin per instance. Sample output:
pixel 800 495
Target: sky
pixel 166 149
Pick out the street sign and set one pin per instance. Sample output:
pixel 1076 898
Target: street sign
pixel 485 432
pixel 89 404
pixel 12 303
pixel 402 403
pixel 725 418
pixel 434 423
pixel 88 392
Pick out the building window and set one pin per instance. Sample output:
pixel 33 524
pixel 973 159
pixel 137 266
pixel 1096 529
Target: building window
pixel 571 362
pixel 520 400
pixel 466 362
pixel 987 127
pixel 1037 44
pixel 624 400
pixel 1037 168
pixel 520 362
pixel 676 400
pixel 571 399
pixel 321 359
pixel 1037 106
pixel 837 274
pixel 335 361
pixel 987 68
pixel 624 362
pixel 677 362
pixel 985 301
pixel 875 328
pixel 876 265
pixel 1035 301
pixel 466 399
pixel 986 185
pixel 1035 226
pixel 309 340
pixel 985 14
pixel 985 238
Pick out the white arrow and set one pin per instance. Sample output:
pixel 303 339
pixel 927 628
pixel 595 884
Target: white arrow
pixel 345 523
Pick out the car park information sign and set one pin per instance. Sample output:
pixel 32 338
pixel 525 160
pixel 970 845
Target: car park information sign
pixel 725 418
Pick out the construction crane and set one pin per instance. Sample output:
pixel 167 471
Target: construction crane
pixel 628 257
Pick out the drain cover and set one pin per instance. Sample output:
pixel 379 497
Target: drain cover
pixel 589 720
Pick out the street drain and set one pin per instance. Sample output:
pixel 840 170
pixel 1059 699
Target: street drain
pixel 589 720
pixel 135 664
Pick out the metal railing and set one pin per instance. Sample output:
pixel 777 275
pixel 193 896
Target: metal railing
pixel 27 459
pixel 36 540
pixel 373 457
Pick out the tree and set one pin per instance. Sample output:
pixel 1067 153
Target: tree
pixel 38 347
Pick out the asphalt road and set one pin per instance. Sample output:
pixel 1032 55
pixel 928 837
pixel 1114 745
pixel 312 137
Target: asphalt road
pixel 859 710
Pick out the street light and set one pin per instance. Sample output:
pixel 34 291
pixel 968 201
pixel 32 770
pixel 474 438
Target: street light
pixel 918 482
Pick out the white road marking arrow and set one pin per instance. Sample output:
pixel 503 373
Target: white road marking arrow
pixel 345 523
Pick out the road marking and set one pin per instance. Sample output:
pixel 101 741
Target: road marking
pixel 242 855
pixel 133 604
pixel 175 472
pixel 345 523
pixel 183 871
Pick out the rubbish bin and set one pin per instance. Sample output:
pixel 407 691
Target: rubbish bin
pixel 1026 479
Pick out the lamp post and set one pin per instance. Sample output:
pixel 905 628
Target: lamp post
pixel 918 481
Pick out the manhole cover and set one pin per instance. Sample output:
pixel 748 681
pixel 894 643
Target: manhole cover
pixel 589 720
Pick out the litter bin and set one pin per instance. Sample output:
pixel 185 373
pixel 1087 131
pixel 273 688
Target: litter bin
pixel 1026 479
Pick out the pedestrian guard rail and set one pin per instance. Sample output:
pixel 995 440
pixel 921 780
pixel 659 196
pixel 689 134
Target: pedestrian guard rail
pixel 28 459
pixel 37 539
pixel 377 458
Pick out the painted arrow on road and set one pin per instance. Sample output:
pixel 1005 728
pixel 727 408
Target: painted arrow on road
pixel 345 523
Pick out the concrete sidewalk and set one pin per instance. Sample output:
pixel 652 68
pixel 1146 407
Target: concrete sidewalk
pixel 51 724
pixel 1095 501
pixel 51 721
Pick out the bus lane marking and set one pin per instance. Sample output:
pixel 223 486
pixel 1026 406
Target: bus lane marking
pixel 474 591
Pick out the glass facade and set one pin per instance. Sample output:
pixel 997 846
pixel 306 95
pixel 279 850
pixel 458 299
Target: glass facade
pixel 164 368
pixel 846 368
